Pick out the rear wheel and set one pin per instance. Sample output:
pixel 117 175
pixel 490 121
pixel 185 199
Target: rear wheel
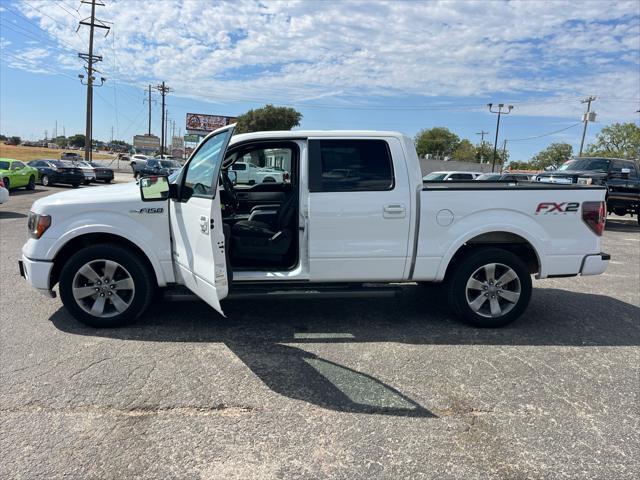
pixel 86 182
pixel 45 180
pixel 108 180
pixel 490 287
pixel 32 183
pixel 7 184
pixel 106 286
pixel 75 185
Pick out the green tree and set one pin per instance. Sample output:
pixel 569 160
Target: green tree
pixel 15 140
pixel 3 138
pixel 76 140
pixel 484 154
pixel 552 156
pixel 61 141
pixel 268 118
pixel 465 152
pixel 437 140
pixel 620 140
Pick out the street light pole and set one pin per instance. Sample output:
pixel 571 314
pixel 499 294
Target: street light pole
pixel 495 142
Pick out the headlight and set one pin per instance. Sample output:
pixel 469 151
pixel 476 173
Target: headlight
pixel 585 181
pixel 38 224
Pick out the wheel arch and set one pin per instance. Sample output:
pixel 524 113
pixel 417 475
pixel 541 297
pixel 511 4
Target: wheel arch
pixel 506 240
pixel 94 238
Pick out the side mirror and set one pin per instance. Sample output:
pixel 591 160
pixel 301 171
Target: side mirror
pixel 233 176
pixel 153 189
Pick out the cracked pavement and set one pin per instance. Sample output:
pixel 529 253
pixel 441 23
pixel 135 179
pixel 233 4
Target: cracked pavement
pixel 358 389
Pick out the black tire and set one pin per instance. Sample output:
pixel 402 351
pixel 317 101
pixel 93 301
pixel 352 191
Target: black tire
pixel 32 183
pixel 45 181
pixel 468 266
pixel 87 182
pixel 621 212
pixel 269 180
pixel 143 281
pixel 108 180
pixel 75 185
pixel 7 183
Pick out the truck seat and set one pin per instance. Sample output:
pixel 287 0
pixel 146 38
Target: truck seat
pixel 258 240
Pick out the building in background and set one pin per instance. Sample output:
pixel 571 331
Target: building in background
pixel 146 144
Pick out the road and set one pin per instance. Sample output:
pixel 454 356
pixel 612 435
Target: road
pixel 358 389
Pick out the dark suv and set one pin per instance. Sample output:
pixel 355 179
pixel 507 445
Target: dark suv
pixel 621 177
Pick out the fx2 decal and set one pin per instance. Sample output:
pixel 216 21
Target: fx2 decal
pixel 555 208
pixel 147 210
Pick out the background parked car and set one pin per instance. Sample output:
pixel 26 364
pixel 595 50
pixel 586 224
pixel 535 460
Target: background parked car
pixel 57 171
pixel 137 160
pixel 88 171
pixel 620 176
pixel 501 177
pixel 71 156
pixel 15 174
pixel 156 167
pixel 451 176
pixel 103 173
pixel 4 193
pixel 249 173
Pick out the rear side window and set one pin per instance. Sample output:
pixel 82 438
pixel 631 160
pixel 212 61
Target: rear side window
pixel 461 176
pixel 239 166
pixel 350 166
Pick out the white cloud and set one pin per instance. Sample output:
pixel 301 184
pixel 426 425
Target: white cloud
pixel 340 53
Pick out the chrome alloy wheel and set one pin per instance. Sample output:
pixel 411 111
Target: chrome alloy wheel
pixel 103 288
pixel 493 290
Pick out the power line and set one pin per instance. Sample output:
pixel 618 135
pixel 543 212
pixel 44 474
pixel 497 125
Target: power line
pixel 544 134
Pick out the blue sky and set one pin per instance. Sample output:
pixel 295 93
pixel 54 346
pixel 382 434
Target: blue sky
pixel 345 65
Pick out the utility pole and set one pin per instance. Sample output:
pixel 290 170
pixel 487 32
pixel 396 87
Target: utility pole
pixel 111 133
pixel 163 89
pixel 482 133
pixel 90 58
pixel 504 154
pixel 149 101
pixel 495 143
pixel 55 131
pixel 586 118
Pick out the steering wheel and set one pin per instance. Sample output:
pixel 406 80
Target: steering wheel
pixel 231 191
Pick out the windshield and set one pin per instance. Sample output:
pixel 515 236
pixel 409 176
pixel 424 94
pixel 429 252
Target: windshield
pixel 169 164
pixel 488 176
pixel 601 164
pixel 434 176
pixel 4 165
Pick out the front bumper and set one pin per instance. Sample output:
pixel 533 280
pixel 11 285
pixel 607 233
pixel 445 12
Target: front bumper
pixel 595 264
pixel 36 272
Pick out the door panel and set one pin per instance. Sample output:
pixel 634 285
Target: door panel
pixel 196 222
pixel 358 235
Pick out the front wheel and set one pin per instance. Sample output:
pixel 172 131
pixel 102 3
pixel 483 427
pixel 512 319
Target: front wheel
pixel 490 287
pixel 106 286
pixel 86 182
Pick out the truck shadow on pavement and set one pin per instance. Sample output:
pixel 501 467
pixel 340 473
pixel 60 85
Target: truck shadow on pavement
pixel 273 338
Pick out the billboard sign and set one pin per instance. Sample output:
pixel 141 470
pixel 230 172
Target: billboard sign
pixel 198 123
pixel 146 142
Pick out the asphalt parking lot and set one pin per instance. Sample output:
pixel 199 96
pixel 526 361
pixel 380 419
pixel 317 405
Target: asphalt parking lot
pixel 379 388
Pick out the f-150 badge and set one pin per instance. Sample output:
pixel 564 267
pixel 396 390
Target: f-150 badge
pixel 147 210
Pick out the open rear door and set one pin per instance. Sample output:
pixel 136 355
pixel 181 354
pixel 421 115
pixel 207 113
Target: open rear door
pixel 196 222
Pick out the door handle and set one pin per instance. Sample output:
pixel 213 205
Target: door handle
pixel 204 224
pixel 394 210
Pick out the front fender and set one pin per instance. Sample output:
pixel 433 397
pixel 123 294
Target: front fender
pixel 151 235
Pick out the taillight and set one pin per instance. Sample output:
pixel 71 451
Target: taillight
pixel 594 214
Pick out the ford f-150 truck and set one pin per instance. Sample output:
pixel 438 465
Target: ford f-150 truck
pixel 110 249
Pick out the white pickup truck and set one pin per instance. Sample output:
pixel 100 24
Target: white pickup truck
pixel 110 248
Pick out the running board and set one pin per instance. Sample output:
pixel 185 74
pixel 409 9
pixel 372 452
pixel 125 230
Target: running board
pixel 293 292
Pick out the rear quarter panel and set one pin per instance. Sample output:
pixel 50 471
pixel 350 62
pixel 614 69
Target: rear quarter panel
pixel 450 217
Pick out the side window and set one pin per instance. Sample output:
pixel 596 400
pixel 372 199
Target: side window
pixel 350 166
pixel 152 164
pixel 461 176
pixel 17 165
pixel 616 167
pixel 239 166
pixel 199 179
